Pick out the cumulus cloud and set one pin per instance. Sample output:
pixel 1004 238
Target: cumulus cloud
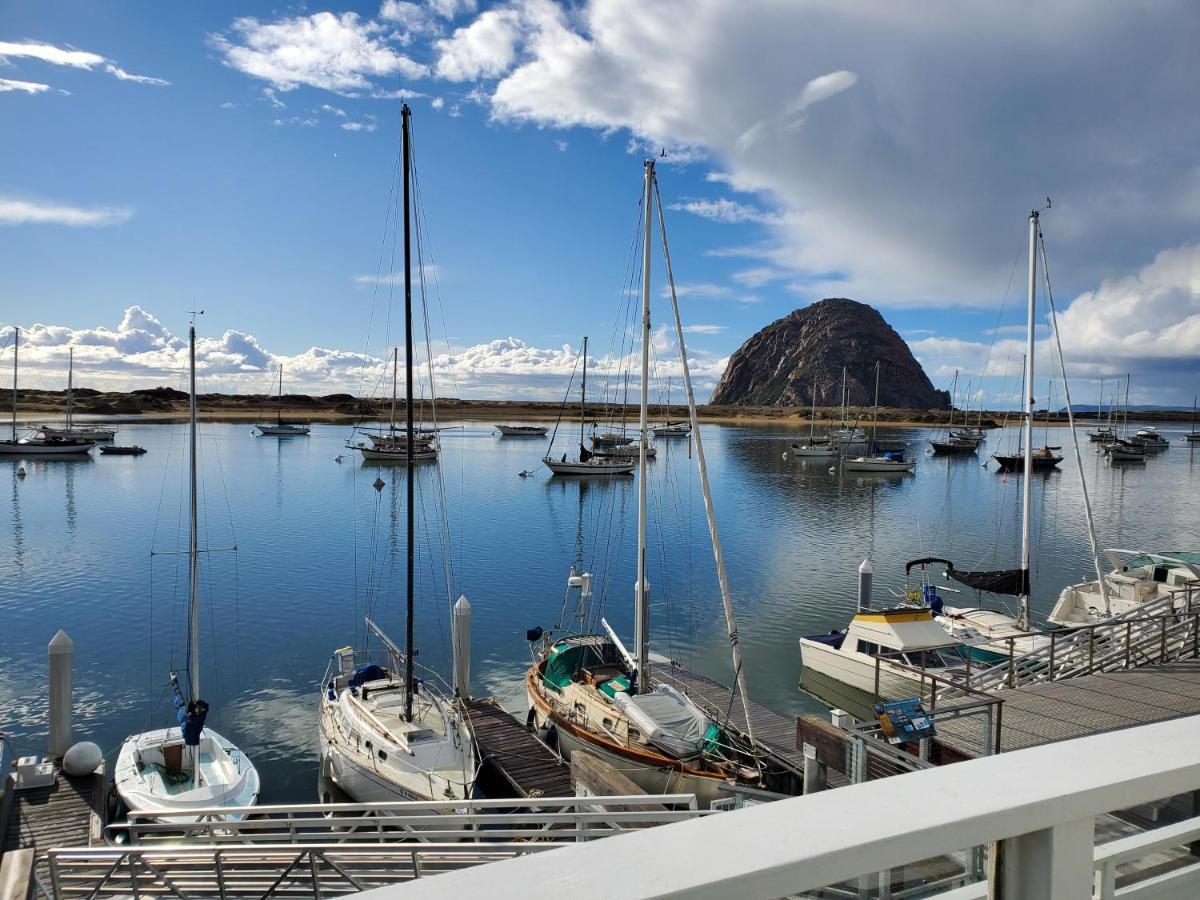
pixel 358 126
pixel 484 49
pixel 28 212
pixel 28 87
pixel 725 211
pixel 335 53
pixel 72 58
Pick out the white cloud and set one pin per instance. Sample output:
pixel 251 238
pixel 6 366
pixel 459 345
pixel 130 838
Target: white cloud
pixel 561 146
pixel 792 116
pixel 449 9
pixel 728 212
pixel 430 271
pixel 29 87
pixel 24 212
pixel 484 49
pixel 359 126
pixel 704 329
pixel 335 53
pixel 758 276
pixel 72 58
pixel 333 110
pixel 437 102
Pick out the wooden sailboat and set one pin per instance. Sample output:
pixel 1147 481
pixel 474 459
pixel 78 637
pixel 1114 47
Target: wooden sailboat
pixel 595 695
pixel 170 771
pixel 385 735
pixel 280 428
pixel 885 462
pixel 44 446
pixel 588 464
pixel 814 447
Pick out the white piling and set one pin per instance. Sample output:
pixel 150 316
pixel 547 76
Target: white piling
pixel 461 635
pixel 865 576
pixel 61 654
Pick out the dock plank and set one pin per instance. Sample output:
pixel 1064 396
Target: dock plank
pixel 527 764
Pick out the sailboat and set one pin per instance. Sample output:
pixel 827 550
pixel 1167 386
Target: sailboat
pixel 385 734
pixel 668 428
pixel 1193 436
pixel 956 443
pixel 814 447
pixel 38 446
pixel 847 435
pixel 281 428
pixel 170 771
pixel 71 430
pixel 598 697
pixel 1045 458
pixel 393 445
pixel 1103 433
pixel 888 461
pixel 588 464
pixel 1123 449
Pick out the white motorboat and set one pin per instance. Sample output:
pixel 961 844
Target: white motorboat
pixel 1136 578
pixel 898 643
pixel 384 733
pixel 280 428
pixel 626 452
pixel 168 772
pixel 38 446
pixel 1150 438
pixel 522 430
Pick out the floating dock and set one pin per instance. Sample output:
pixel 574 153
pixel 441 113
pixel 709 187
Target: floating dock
pixel 68 813
pixel 514 755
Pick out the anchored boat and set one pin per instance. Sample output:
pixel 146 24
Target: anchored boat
pixel 38 446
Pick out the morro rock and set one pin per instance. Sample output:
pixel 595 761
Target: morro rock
pixel 777 366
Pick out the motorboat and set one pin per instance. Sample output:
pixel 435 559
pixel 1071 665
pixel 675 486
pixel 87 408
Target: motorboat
pixel 1136 578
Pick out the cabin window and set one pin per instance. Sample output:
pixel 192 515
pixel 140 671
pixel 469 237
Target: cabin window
pixel 608 723
pixel 634 734
pixel 382 756
pixel 868 648
pixel 368 745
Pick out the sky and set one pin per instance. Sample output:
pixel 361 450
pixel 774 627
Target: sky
pixel 240 158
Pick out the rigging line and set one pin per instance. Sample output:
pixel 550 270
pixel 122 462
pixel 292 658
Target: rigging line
pixel 566 397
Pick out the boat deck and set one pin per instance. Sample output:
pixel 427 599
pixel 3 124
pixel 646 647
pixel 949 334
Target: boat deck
pixel 772 731
pixel 68 813
pixel 529 767
pixel 1091 704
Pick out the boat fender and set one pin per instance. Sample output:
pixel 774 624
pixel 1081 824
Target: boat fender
pixel 530 718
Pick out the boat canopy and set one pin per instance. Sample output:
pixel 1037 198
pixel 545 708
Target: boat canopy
pixel 1000 581
pixel 569 656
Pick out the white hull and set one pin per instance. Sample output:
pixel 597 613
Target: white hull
pixel 818 452
pixel 876 464
pixel 82 433
pixel 672 431
pixel 283 430
pixel 227 777
pixel 49 448
pixel 993 626
pixel 597 469
pixel 858 671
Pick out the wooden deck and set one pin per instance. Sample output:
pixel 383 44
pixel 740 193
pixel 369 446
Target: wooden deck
pixel 1092 704
pixel 68 813
pixel 527 765
pixel 774 733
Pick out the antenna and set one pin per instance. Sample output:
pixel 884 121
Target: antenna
pixel 195 312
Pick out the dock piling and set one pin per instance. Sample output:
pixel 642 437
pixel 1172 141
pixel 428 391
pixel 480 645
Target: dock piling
pixel 865 576
pixel 61 653
pixel 461 636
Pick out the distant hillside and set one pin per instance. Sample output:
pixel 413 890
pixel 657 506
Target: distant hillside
pixel 778 365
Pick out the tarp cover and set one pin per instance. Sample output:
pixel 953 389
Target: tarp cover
pixel 668 719
pixel 1005 581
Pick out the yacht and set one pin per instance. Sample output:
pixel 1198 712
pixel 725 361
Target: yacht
pixel 1136 578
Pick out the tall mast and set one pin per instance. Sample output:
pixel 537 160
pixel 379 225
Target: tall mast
pixel 193 531
pixel 70 385
pixel 279 406
pixel 844 396
pixel 16 345
pixel 1125 414
pixel 709 513
pixel 1027 483
pixel 875 415
pixel 583 394
pixel 405 113
pixel 395 366
pixel 812 421
pixel 641 592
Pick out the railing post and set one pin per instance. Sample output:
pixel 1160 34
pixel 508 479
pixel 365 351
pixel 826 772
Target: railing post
pixel 999 724
pixel 1011 662
pixel 1052 635
pixel 1049 864
pixel 1128 641
pixel 220 869
pixel 1162 642
pixel 1091 648
pixel 968 668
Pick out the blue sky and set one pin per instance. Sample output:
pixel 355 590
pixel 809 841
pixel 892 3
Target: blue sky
pixel 161 156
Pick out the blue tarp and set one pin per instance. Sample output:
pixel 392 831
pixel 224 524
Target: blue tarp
pixel 368 672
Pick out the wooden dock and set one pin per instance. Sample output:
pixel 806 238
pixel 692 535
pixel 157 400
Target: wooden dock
pixel 774 733
pixel 1091 704
pixel 68 813
pixel 515 755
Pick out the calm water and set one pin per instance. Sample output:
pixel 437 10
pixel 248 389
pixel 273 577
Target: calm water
pixel 318 545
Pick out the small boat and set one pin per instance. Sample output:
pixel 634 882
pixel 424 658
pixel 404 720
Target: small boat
pixel 815 447
pixel 1044 460
pixel 71 431
pixel 1193 436
pixel 899 643
pixel 522 430
pixel 1102 435
pixel 970 433
pixel 612 439
pixel 38 446
pixel 1124 451
pixel 131 450
pixel 1150 438
pixel 954 447
pixel 169 772
pixel 1136 577
pixel 280 428
pixel 672 429
pixel 629 451
pixel 881 461
pixel 391 446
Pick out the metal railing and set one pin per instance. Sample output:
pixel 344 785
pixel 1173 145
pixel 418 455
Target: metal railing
pixel 546 819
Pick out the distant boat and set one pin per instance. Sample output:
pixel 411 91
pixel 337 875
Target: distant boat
pixel 522 430
pixel 1119 450
pixel 1193 436
pixel 1150 438
pixel 169 772
pixel 38 446
pixel 281 428
pixel 392 446
pixel 882 462
pixel 955 443
pixel 71 430
pixel 681 428
pixel 589 464
pixel 814 447
pixel 1043 460
pixel 132 450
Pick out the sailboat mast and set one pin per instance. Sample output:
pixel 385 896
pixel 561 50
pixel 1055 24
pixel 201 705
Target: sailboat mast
pixel 1027 482
pixel 875 415
pixel 16 345
pixel 193 530
pixel 70 385
pixel 395 366
pixel 812 421
pixel 1125 414
pixel 583 393
pixel 405 114
pixel 844 397
pixel 642 600
pixel 709 512
pixel 279 406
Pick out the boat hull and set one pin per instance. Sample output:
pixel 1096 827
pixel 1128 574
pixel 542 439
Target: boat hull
pixel 1017 463
pixel 379 454
pixel 283 430
pixel 521 431
pixel 805 452
pixel 83 434
pixel 50 448
pixel 857 671
pixel 879 466
pixel 624 466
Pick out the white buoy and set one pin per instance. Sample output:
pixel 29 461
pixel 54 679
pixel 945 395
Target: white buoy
pixel 461 635
pixel 832 469
pixel 61 653
pixel 81 759
pixel 865 576
pixel 20 471
pixel 785 454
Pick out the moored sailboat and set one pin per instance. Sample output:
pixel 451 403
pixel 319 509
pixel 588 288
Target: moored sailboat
pixel 589 464
pixel 880 461
pixel 44 446
pixel 814 447
pixel 280 428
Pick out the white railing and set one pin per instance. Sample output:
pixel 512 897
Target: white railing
pixel 1040 804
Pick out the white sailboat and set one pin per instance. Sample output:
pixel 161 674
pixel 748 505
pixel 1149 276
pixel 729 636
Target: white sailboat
pixel 280 428
pixel 883 463
pixel 38 446
pixel 847 436
pixel 71 430
pixel 669 428
pixel 384 735
pixel 170 771
pixel 596 696
pixel 814 447
pixel 392 445
pixel 589 464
